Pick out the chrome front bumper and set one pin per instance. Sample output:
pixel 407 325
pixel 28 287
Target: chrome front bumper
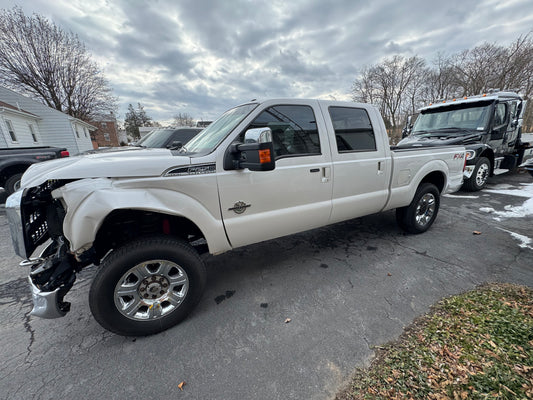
pixel 45 304
pixel 15 222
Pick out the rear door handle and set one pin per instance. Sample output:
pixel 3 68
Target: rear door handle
pixel 314 170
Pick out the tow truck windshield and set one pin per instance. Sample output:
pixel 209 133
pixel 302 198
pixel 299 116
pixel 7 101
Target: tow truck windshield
pixel 460 119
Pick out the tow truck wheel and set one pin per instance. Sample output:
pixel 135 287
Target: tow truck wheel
pixel 147 286
pixel 479 177
pixel 418 216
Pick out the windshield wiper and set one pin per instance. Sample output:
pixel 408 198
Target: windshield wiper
pixel 450 128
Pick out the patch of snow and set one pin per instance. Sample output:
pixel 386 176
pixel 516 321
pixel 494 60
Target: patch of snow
pixel 501 186
pixel 525 191
pixel 455 196
pixel 524 210
pixel 524 240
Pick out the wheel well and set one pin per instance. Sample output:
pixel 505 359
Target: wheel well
pixel 437 178
pixel 12 170
pixel 122 226
pixel 488 153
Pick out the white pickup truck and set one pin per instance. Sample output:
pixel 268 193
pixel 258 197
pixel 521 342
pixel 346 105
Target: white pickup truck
pixel 261 171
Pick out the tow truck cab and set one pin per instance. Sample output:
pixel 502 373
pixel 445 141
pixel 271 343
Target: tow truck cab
pixel 488 125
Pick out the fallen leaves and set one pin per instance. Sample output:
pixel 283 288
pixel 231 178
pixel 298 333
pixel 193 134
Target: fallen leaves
pixel 476 233
pixel 287 320
pixel 475 345
pixel 180 386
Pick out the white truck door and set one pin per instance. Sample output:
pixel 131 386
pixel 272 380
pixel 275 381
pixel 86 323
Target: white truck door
pixel 361 160
pixel 296 195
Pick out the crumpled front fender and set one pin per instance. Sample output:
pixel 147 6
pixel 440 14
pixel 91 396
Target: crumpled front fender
pixel 89 201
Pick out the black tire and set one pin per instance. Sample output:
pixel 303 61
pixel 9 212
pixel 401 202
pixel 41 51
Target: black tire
pixel 123 269
pixel 479 177
pixel 12 183
pixel 418 216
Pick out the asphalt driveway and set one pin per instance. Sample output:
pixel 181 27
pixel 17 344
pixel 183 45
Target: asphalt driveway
pixel 345 288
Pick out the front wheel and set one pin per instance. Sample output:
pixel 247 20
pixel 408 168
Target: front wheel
pixel 418 216
pixel 147 286
pixel 479 177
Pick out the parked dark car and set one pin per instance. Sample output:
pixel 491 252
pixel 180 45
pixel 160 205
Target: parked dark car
pixel 14 161
pixel 168 138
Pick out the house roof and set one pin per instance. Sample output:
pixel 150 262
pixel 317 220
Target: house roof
pixel 12 108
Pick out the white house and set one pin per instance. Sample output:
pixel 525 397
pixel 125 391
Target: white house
pixel 25 123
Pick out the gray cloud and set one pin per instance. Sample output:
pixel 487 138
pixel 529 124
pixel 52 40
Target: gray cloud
pixel 203 56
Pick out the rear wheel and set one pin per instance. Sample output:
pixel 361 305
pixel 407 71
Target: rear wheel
pixel 13 183
pixel 479 177
pixel 147 286
pixel 418 216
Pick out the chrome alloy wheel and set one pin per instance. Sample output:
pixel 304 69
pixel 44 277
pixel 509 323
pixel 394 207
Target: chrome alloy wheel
pixel 151 290
pixel 425 209
pixel 482 174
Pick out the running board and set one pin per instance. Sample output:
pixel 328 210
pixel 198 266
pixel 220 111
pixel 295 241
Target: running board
pixel 500 171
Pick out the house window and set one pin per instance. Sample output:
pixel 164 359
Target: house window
pixel 104 125
pixel 106 137
pixel 77 132
pixel 33 135
pixel 11 130
pixel 86 132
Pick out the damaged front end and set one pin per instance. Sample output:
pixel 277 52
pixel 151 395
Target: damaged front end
pixel 36 219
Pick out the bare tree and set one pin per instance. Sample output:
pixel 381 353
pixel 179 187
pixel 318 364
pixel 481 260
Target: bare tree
pixel 39 59
pixel 183 119
pixel 393 86
pixel 440 80
pixel 400 85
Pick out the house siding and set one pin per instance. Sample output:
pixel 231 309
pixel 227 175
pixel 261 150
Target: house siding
pixel 3 143
pixel 54 127
pixel 21 126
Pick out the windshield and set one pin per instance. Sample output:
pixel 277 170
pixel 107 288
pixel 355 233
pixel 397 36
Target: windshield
pixel 452 120
pixel 156 138
pixel 207 140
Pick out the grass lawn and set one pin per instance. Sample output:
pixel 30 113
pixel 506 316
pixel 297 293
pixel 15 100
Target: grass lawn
pixel 477 345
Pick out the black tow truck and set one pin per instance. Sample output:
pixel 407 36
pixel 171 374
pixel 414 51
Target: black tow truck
pixel 488 125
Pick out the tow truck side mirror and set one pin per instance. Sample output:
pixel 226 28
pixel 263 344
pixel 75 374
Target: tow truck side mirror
pixel 256 153
pixel 408 126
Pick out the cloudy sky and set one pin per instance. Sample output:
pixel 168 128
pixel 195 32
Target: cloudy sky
pixel 203 56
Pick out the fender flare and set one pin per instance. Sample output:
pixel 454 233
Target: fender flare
pixel 89 203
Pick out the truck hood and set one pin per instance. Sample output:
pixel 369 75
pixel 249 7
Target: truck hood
pixel 431 139
pixel 135 162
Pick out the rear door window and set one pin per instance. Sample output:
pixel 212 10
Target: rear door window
pixel 353 129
